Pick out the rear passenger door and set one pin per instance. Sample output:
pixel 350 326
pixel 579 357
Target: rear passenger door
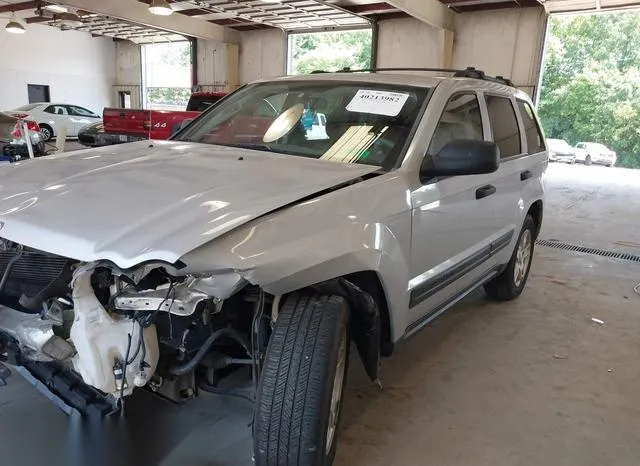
pixel 514 172
pixel 58 116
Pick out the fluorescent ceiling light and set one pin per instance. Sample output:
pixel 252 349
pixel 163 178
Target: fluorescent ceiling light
pixel 160 8
pixel 14 26
pixel 56 8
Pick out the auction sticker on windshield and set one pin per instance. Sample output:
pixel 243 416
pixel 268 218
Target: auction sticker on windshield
pixel 377 102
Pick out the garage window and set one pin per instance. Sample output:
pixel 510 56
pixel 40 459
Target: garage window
pixel 535 141
pixel 328 51
pixel 504 126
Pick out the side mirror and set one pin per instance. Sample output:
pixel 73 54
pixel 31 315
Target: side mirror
pixel 462 157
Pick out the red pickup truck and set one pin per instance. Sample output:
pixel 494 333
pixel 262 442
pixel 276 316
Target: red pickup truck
pixel 155 124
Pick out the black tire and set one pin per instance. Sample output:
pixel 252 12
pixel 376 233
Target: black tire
pixel 505 287
pixel 47 132
pixel 294 399
pixel 587 160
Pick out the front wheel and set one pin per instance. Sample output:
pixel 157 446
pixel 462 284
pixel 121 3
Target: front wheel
pixel 510 283
pixel 299 398
pixel 587 160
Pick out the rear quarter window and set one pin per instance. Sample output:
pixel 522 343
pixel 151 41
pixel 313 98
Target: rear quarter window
pixel 504 125
pixel 535 140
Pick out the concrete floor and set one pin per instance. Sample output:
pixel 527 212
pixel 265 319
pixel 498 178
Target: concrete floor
pixel 530 382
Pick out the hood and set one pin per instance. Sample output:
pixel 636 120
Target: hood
pixel 139 202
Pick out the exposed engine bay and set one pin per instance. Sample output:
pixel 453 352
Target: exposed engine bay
pixel 121 329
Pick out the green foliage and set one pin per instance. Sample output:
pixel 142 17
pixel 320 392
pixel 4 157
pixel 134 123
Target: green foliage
pixel 591 83
pixel 175 53
pixel 330 51
pixel 168 96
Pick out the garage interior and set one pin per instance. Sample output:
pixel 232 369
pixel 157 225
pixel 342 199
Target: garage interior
pixel 533 381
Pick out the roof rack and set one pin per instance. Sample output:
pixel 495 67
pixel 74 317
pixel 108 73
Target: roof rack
pixel 469 72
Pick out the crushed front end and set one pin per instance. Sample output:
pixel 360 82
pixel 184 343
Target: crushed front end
pixel 88 334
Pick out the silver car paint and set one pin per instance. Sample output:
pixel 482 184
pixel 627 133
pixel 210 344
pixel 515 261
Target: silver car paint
pixel 146 210
pixel 151 202
pixel 373 222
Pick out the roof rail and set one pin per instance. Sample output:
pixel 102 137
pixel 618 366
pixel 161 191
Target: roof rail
pixel 469 72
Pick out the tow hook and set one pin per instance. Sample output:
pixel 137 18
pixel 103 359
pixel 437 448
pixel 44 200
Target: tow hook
pixel 5 373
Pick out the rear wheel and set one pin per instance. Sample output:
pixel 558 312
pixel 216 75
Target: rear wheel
pixel 510 283
pixel 300 393
pixel 47 132
pixel 587 160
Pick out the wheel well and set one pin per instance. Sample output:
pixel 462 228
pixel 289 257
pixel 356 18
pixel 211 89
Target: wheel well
pixel 49 127
pixel 536 213
pixel 369 281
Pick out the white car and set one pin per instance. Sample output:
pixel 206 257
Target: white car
pixel 593 152
pixel 560 151
pixel 243 247
pixel 53 116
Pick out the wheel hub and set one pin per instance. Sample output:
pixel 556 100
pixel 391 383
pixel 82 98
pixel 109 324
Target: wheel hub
pixel 523 257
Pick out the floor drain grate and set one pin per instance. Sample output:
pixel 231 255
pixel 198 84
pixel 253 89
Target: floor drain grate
pixel 598 252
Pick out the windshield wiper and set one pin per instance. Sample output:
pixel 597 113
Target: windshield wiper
pixel 260 147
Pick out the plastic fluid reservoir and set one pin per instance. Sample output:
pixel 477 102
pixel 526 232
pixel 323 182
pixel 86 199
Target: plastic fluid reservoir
pixel 101 342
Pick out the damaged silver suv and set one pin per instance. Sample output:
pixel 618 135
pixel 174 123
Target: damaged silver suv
pixel 255 242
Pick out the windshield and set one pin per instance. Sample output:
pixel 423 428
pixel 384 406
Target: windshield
pixel 341 122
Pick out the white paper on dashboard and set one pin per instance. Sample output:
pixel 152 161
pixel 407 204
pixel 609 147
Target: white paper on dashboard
pixel 378 102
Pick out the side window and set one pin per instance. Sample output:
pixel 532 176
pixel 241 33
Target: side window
pixel 79 111
pixel 504 125
pixel 580 146
pixel 535 141
pixel 56 110
pixel 461 119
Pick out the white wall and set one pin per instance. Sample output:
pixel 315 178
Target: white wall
pixel 128 64
pixel 262 54
pixel 505 42
pixel 218 66
pixel 79 69
pixel 408 42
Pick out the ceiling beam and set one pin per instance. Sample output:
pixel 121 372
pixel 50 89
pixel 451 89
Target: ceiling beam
pixel 371 8
pixel 431 12
pixel 391 15
pixel 138 12
pixel 471 6
pixel 38 19
pixel 19 6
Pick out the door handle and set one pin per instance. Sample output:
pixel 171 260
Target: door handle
pixel 525 175
pixel 485 191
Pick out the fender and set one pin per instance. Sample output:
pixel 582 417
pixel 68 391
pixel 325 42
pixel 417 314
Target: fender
pixel 340 233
